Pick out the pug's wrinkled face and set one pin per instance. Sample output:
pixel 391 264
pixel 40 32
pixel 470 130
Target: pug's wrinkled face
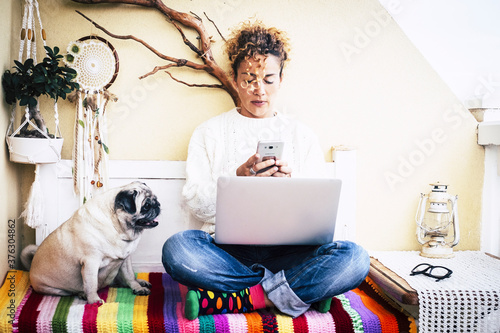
pixel 137 206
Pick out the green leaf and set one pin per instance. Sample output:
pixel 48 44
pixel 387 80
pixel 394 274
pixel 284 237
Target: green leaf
pixel 106 149
pixel 32 101
pixel 68 70
pixel 18 64
pixel 24 100
pixel 81 123
pixel 28 81
pixel 38 79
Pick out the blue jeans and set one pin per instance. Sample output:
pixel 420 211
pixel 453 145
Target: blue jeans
pixel 293 277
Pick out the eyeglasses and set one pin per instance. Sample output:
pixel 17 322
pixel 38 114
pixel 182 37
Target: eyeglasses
pixel 437 272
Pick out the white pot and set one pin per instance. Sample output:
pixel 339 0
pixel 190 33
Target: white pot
pixel 34 150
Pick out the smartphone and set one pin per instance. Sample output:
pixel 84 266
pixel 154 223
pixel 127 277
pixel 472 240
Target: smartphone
pixel 269 149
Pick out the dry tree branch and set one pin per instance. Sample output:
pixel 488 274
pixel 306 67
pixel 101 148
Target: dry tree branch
pixel 216 27
pixel 180 62
pixel 156 70
pixel 196 15
pixel 191 21
pixel 187 41
pixel 219 86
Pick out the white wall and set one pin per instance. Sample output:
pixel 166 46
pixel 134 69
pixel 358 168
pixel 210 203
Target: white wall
pixel 461 41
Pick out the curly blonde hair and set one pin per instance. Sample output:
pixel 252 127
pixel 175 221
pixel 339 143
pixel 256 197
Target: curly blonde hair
pixel 252 39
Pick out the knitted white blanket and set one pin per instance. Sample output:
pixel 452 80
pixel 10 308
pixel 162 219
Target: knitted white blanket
pixel 467 301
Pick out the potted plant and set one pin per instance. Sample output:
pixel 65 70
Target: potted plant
pixel 25 85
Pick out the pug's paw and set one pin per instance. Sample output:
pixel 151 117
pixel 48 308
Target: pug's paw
pixel 144 283
pixel 142 291
pixel 97 301
pixel 92 299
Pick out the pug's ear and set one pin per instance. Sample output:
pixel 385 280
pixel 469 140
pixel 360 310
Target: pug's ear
pixel 125 200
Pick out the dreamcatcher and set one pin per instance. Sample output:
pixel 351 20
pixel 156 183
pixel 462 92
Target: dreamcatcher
pixel 96 62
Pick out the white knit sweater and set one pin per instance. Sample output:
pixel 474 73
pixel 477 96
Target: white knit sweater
pixel 221 144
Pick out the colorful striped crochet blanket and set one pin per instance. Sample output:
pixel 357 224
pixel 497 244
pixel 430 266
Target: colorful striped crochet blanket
pixel 23 310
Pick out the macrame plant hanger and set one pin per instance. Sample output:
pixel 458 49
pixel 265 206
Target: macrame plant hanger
pixel 33 213
pixel 96 62
pixel 28 37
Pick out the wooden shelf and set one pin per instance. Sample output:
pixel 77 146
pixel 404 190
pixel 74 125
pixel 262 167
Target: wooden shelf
pixel 392 284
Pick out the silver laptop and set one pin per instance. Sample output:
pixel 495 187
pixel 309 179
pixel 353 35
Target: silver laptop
pixel 276 211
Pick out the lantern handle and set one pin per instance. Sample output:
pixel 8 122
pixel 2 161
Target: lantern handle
pixel 454 204
pixel 419 215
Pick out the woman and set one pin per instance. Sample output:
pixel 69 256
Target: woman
pixel 241 278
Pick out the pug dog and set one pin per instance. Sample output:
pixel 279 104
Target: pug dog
pixel 92 249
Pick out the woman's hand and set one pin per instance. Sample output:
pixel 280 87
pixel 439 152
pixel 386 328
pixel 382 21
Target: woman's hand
pixel 252 168
pixel 283 169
